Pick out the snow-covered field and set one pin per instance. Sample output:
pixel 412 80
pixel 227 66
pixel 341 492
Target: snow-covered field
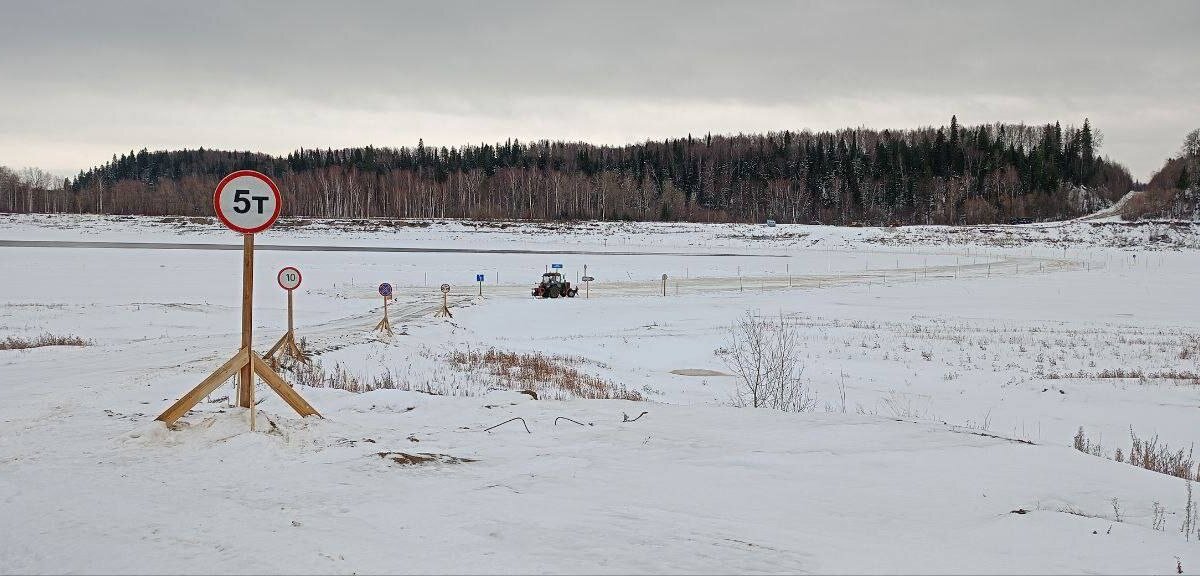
pixel 952 368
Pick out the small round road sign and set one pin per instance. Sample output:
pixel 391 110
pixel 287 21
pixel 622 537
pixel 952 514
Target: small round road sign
pixel 385 289
pixel 445 288
pixel 289 278
pixel 247 201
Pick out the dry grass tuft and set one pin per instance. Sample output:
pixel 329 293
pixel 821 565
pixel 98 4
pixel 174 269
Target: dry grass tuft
pixel 1130 374
pixel 14 343
pixel 549 376
pixel 315 375
pixel 476 372
pixel 1146 453
pixel 1149 454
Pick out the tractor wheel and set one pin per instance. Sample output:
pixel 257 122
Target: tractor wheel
pixel 553 291
pixel 572 292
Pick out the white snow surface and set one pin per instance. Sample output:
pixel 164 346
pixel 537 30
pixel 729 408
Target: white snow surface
pixel 969 357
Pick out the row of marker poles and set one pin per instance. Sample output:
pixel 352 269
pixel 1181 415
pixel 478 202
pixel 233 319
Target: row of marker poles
pixel 788 274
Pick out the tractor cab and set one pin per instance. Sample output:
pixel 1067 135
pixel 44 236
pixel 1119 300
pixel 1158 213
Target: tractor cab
pixel 553 286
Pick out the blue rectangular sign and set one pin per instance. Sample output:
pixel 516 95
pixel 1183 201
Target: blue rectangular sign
pixel 556 265
pixel 479 277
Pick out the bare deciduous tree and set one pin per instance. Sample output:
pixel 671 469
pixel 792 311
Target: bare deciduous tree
pixel 764 355
pixel 1191 143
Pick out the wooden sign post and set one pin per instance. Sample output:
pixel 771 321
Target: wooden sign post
pixel 587 283
pixel 445 310
pixel 384 325
pixel 289 279
pixel 664 284
pixel 246 202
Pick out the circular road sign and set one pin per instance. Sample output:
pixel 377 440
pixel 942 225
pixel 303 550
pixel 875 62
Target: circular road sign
pixel 445 288
pixel 289 278
pixel 247 201
pixel 385 290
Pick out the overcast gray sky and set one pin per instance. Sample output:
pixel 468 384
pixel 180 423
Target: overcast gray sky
pixel 80 81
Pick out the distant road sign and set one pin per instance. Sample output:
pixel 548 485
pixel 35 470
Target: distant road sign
pixel 556 265
pixel 289 278
pixel 385 289
pixel 479 277
pixel 588 279
pixel 247 201
pixel 445 288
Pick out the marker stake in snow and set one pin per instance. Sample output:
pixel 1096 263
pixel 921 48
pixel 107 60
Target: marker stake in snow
pixel 384 325
pixel 289 279
pixel 444 312
pixel 479 279
pixel 246 202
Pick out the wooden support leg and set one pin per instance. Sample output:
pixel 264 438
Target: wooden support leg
pixel 384 325
pixel 281 387
pixel 279 344
pixel 285 345
pixel 225 372
pixel 243 358
pixel 294 350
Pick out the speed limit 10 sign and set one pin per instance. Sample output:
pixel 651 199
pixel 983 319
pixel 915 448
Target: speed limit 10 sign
pixel 247 201
pixel 289 278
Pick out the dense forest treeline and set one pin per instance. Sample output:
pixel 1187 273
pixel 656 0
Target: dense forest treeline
pixel 1174 191
pixel 949 174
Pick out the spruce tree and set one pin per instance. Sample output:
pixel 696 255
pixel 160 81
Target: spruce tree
pixel 1087 152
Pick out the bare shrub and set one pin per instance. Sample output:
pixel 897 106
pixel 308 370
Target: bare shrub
pixel 1131 374
pixel 1149 454
pixel 549 376
pixel 1120 373
pixel 15 343
pixel 1146 453
pixel 1085 445
pixel 901 406
pixel 764 355
pixel 1190 514
pixel 1159 520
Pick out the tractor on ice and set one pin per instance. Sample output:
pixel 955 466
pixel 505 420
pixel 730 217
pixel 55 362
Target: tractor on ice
pixel 553 286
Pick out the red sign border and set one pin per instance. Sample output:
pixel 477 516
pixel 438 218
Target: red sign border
pixel 285 269
pixel 252 174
